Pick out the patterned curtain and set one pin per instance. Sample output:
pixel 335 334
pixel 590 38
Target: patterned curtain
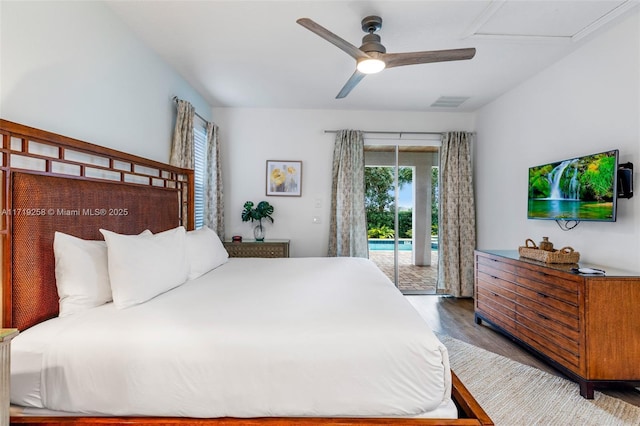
pixel 348 222
pixel 213 194
pixel 182 154
pixel 182 147
pixel 456 216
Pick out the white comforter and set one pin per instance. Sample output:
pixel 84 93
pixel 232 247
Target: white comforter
pixel 252 338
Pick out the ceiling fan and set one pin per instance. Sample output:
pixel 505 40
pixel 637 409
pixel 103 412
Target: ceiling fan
pixel 372 57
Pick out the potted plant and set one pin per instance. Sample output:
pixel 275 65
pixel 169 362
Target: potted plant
pixel 262 211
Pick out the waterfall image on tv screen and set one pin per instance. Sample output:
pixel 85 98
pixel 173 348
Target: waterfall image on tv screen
pixel 582 188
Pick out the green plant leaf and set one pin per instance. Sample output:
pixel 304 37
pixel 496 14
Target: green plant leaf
pixel 247 212
pixel 263 210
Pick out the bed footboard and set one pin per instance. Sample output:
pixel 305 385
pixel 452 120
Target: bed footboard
pixel 470 412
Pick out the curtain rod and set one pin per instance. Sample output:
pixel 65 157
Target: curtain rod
pixel 175 99
pixel 383 132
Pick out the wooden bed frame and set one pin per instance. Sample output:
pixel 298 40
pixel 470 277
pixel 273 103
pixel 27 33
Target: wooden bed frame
pixel 55 183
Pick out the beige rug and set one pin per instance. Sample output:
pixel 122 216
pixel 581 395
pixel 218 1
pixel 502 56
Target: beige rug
pixel 514 394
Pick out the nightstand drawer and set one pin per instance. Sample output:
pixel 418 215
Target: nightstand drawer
pixel 268 248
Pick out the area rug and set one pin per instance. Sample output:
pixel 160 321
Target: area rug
pixel 514 394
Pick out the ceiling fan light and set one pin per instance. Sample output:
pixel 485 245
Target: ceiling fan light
pixel 370 66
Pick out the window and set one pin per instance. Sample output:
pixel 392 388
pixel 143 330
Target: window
pixel 199 149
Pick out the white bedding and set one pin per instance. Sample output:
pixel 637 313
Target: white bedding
pixel 252 338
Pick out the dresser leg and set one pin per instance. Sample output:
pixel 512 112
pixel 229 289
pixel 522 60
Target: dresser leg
pixel 478 320
pixel 586 389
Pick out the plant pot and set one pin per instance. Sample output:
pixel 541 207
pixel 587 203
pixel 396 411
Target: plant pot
pixel 258 232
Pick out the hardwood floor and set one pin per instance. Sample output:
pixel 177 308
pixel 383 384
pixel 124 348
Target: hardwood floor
pixel 454 317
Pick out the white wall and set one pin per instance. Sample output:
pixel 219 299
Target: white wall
pixel 75 69
pixel 588 102
pixel 250 137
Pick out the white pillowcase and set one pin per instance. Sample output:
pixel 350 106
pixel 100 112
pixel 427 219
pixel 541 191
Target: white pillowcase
pixel 142 267
pixel 82 275
pixel 205 252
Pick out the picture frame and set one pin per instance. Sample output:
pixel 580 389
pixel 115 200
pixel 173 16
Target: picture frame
pixel 284 178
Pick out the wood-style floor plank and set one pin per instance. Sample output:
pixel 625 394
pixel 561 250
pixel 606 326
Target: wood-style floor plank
pixel 455 317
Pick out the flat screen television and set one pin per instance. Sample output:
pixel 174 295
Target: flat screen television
pixel 577 189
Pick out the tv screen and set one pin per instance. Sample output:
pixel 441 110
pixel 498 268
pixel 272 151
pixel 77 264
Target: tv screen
pixel 577 189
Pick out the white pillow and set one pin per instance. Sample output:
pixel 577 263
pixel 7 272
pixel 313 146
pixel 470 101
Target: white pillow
pixel 82 275
pixel 141 268
pixel 204 252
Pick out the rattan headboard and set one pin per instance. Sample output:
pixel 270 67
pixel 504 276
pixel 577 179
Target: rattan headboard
pixel 76 207
pixel 130 195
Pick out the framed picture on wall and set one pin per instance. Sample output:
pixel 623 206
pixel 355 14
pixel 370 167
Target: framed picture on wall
pixel 284 178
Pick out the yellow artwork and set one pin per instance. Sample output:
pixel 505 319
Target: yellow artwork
pixel 284 178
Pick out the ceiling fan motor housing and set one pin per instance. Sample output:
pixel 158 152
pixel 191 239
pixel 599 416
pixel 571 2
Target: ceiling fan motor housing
pixel 371 43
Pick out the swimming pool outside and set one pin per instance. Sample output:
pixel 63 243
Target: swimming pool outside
pixel 376 244
pixel 388 244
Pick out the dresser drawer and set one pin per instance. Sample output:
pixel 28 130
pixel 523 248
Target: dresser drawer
pixel 493 270
pixel 507 323
pixel 566 319
pixel 495 299
pixel 550 330
pixel 563 290
pixel 546 299
pixel 542 344
pixel 559 284
pixel 496 284
pixel 493 262
pixel 497 308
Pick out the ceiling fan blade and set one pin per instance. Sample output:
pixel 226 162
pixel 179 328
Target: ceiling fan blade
pixel 412 58
pixel 347 47
pixel 350 84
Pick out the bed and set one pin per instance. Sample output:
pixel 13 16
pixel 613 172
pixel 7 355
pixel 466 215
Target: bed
pixel 282 341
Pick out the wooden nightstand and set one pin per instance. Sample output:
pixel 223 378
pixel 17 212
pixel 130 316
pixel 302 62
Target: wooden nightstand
pixel 5 373
pixel 252 248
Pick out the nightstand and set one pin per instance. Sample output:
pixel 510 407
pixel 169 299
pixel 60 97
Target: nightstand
pixel 252 248
pixel 5 372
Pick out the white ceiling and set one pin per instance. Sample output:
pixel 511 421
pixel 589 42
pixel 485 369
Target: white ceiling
pixel 253 54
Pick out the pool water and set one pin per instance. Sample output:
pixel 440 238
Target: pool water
pixel 403 245
pixel 389 245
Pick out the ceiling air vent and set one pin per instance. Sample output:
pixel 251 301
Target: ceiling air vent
pixel 449 101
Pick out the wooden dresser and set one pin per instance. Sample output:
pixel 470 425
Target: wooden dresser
pixel 252 248
pixel 587 326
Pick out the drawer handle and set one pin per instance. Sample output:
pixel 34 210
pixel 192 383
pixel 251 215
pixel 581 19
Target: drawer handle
pixel 496 294
pixel 542 294
pixel 542 316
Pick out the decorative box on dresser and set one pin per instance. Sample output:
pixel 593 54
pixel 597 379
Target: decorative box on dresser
pixel 252 248
pixel 5 361
pixel 587 326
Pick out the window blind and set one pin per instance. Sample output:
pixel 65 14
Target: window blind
pixel 200 148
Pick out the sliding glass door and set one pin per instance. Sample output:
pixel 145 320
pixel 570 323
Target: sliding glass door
pixel 402 226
